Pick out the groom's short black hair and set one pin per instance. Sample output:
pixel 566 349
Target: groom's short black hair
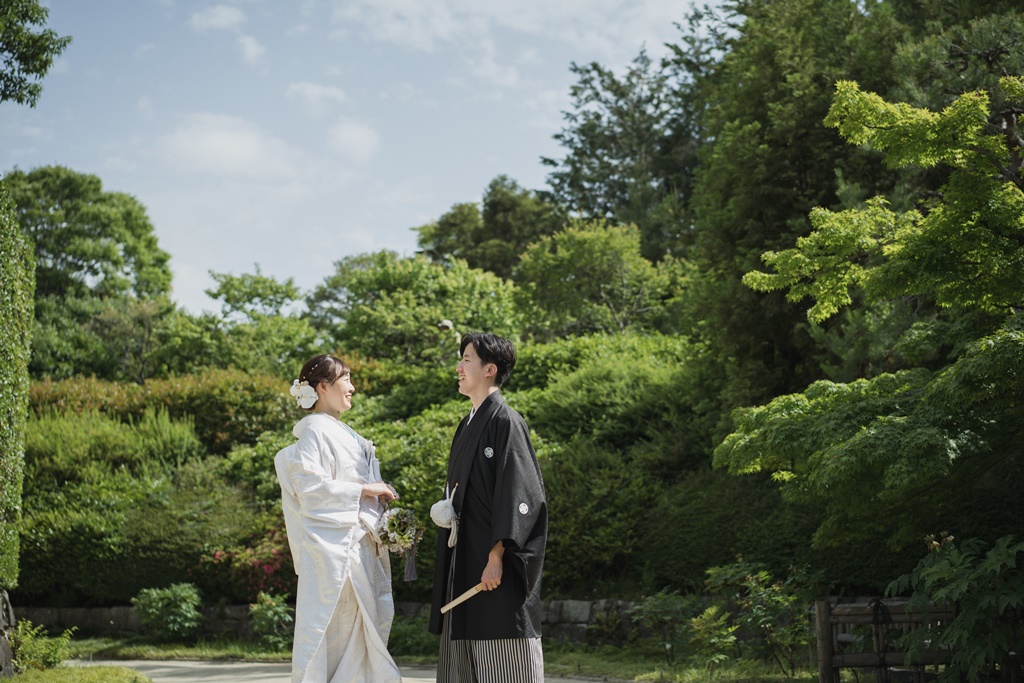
pixel 492 349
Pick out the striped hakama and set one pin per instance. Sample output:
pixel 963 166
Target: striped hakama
pixel 506 660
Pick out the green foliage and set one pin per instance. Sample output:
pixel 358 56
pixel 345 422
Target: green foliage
pixel 492 239
pixel 987 589
pixel 252 467
pixel 33 649
pixel 410 637
pixel 963 250
pixel 777 612
pixel 591 277
pixel 380 305
pixel 712 639
pixel 170 613
pixel 27 54
pixel 87 241
pixel 272 621
pixel 260 563
pixel 414 457
pixel 91 446
pixel 229 407
pixel 594 505
pixel 630 149
pixel 17 284
pixel 665 613
pixel 100 541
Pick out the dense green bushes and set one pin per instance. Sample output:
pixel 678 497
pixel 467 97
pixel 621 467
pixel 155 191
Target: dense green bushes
pixel 17 288
pixel 99 542
pixel 228 407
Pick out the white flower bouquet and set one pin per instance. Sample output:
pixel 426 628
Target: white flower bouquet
pixel 399 531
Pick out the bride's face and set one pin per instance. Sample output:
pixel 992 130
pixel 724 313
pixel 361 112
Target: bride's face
pixel 336 397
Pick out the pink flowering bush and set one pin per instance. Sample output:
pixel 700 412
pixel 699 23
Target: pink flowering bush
pixel 240 574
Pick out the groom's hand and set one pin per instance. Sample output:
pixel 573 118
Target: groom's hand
pixel 491 578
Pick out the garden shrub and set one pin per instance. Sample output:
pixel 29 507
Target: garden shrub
pixel 665 615
pixel 33 649
pixel 229 407
pixel 772 613
pixel 261 563
pixel 172 613
pixel 251 466
pixel 539 364
pixel 100 541
pixel 410 637
pixel 17 291
pixel 77 447
pixel 271 619
pixel 596 513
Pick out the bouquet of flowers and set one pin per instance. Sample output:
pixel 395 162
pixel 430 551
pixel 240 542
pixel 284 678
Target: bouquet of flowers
pixel 399 532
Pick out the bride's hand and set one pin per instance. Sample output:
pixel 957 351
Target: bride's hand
pixel 381 491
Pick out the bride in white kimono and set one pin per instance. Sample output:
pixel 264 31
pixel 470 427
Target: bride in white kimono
pixel 332 497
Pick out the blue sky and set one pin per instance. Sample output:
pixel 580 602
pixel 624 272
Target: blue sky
pixel 293 134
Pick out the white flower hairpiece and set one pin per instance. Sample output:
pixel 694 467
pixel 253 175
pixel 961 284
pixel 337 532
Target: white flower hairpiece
pixel 304 394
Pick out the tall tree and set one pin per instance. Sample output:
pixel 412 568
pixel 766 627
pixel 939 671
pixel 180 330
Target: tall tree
pixel 91 247
pixel 27 55
pixel 383 306
pixel 591 277
pixel 630 149
pixel 767 160
pixel 909 451
pixel 493 238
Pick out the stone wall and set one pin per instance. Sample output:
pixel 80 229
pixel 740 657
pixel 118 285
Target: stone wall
pixel 564 620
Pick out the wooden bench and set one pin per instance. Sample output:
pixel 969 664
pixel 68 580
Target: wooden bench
pixel 834 626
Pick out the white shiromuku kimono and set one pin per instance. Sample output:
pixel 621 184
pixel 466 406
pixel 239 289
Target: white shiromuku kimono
pixel 343 605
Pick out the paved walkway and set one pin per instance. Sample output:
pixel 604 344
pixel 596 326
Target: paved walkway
pixel 240 672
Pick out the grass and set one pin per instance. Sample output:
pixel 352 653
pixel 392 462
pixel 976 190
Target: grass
pixel 142 647
pixel 84 674
pixel 606 663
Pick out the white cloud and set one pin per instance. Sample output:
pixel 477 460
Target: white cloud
pixel 610 30
pixel 229 146
pixel 146 108
pixel 217 17
pixel 316 96
pixel 252 50
pixel 354 141
pixel 486 67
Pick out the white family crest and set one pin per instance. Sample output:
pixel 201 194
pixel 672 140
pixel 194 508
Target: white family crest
pixel 489 452
pixel 523 508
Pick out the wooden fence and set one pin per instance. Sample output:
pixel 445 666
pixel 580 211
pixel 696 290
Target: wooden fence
pixel 843 631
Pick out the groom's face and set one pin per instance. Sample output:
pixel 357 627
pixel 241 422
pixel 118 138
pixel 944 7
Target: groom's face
pixel 474 374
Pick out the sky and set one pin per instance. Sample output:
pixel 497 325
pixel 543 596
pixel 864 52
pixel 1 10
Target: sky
pixel 290 135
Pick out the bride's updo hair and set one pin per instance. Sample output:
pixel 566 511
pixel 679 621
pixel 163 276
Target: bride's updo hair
pixel 323 368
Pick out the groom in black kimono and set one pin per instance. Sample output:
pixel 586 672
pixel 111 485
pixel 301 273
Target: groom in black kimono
pixel 499 536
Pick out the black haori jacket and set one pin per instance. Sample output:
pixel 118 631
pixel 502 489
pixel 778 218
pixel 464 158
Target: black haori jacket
pixel 500 497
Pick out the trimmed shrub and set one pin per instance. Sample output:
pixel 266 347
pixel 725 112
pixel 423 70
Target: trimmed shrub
pixel 76 447
pixel 17 291
pixel 172 613
pixel 229 407
pixel 100 541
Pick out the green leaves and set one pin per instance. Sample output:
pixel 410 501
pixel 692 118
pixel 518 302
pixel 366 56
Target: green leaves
pixel 26 54
pixel 987 589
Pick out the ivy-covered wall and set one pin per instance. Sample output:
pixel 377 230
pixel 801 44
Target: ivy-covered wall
pixel 17 290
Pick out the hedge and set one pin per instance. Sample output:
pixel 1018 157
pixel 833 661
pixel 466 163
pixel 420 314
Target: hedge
pixel 228 407
pixel 17 293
